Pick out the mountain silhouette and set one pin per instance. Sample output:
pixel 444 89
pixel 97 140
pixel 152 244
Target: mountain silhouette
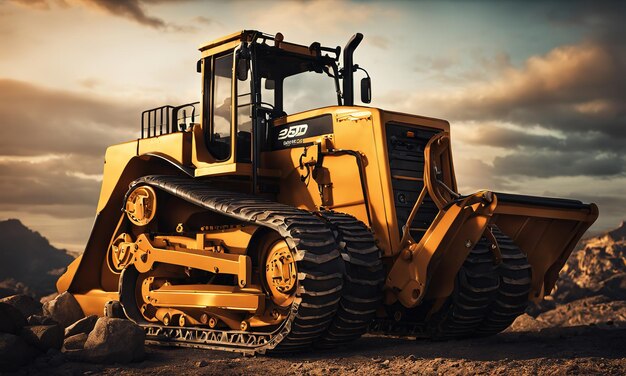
pixel 30 264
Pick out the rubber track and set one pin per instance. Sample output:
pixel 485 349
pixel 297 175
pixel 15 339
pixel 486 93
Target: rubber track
pixel 320 269
pixel 363 281
pixel 476 286
pixel 515 278
pixel 486 300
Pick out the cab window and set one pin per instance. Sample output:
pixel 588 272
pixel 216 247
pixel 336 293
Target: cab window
pixel 220 137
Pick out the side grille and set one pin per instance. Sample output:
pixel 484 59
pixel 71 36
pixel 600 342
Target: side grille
pixel 405 145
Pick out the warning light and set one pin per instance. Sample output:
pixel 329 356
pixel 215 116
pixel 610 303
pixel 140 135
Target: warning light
pixel 410 134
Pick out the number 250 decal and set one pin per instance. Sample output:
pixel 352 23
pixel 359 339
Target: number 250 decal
pixel 293 131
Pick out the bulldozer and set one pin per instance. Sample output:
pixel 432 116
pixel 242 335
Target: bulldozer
pixel 237 224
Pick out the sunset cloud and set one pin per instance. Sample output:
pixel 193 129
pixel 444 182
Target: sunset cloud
pixel 52 121
pixel 134 10
pixel 576 94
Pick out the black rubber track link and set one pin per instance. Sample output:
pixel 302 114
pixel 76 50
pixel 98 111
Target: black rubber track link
pixel 475 289
pixel 512 299
pixel 363 279
pixel 320 270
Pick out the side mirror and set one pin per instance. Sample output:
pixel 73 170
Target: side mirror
pixel 270 84
pixel 199 66
pixel 366 90
pixel 242 68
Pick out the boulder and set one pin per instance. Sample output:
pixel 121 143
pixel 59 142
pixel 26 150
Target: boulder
pixel 48 298
pixel 24 303
pixel 114 309
pixel 75 342
pixel 11 319
pixel 84 325
pixel 43 337
pixel 64 309
pixel 114 340
pixel 526 323
pixel 14 352
pixel 41 320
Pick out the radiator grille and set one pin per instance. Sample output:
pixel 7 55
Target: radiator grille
pixel 405 145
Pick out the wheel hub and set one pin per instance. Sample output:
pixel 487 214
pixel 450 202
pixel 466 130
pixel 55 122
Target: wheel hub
pixel 281 273
pixel 141 205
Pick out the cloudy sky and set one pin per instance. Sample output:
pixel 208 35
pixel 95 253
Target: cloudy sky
pixel 535 91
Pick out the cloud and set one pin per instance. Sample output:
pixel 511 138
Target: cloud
pixel 36 121
pixel 134 10
pixel 131 9
pixel 555 163
pixel 575 96
pixel 47 183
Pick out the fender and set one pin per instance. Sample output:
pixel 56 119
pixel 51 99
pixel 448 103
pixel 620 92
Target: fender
pixel 87 272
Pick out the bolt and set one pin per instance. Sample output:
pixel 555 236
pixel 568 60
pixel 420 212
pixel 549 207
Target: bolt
pixel 244 325
pixel 468 244
pixel 212 322
pixel 493 246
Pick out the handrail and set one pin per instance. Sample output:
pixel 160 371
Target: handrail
pixel 167 119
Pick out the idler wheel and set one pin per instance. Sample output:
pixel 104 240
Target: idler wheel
pixel 141 205
pixel 281 273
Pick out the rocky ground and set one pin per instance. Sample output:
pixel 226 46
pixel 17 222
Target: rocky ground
pixel 596 349
pixel 580 329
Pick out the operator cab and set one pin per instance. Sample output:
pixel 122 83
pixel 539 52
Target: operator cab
pixel 248 72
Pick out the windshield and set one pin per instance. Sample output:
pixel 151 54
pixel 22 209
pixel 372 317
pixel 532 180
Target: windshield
pixel 294 82
pixel 308 90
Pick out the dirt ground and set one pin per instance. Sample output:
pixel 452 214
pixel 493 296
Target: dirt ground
pixel 592 349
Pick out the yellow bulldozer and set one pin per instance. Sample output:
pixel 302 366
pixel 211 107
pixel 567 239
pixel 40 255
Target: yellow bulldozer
pixel 232 224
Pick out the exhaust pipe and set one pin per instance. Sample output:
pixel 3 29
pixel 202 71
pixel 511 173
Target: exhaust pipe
pixel 348 69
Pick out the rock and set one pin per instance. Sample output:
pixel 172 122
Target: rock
pixel 113 308
pixel 25 304
pixel 614 287
pixel 75 342
pixel 14 352
pixel 526 323
pixel 114 340
pixel 41 320
pixel 11 319
pixel 202 363
pixel 64 309
pixel 43 337
pixel 411 358
pixel 84 325
pixel 385 363
pixel 48 298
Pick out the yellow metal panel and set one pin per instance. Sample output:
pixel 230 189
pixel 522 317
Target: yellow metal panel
pixel 115 161
pixel 176 146
pixel 236 36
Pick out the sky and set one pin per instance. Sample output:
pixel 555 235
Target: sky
pixel 535 91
